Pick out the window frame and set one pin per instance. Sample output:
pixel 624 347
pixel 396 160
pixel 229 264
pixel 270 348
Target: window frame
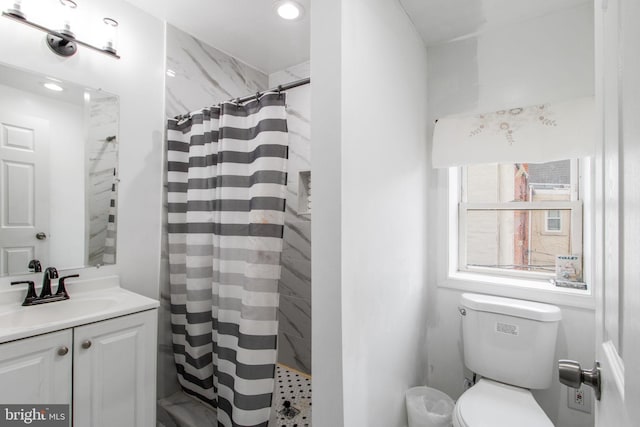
pixel 515 286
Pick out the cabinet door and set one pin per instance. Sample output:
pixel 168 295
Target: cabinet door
pixel 36 370
pixel 114 372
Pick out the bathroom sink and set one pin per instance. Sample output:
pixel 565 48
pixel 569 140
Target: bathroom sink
pixel 92 300
pixel 28 317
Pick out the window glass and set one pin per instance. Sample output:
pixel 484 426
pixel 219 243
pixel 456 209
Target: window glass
pixel 519 217
pixel 514 240
pixel 554 220
pixel 511 182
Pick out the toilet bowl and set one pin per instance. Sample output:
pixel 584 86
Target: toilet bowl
pixel 493 404
pixel 510 344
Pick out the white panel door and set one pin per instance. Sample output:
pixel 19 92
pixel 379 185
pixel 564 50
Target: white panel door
pixel 24 191
pixel 114 372
pixel 618 240
pixel 37 370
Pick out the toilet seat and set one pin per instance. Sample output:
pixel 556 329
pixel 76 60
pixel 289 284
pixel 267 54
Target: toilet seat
pixel 493 404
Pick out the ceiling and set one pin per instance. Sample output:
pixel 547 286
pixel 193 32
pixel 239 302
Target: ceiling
pixel 439 21
pixel 32 82
pixel 251 31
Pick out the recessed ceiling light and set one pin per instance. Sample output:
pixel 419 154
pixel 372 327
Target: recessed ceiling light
pixel 54 87
pixel 288 9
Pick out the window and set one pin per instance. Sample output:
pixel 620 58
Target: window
pixel 553 220
pixel 516 218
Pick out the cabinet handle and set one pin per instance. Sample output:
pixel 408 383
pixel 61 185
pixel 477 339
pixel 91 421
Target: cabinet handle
pixel 63 350
pixel 86 344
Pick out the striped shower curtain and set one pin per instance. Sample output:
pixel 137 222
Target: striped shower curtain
pixel 226 200
pixel 109 255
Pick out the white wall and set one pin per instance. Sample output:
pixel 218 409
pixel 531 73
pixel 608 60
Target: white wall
pixel 138 78
pixel 66 185
pixel 369 237
pixel 326 227
pixel 549 58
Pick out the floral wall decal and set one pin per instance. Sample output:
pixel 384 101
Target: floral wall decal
pixel 506 123
pixel 534 134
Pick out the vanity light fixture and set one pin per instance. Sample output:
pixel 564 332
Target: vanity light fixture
pixel 68 16
pixel 16 10
pixel 64 42
pixel 111 35
pixel 288 9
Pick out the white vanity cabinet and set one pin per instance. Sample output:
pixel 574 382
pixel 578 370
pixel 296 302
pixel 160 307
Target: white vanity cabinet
pixel 114 372
pixel 37 370
pixel 106 368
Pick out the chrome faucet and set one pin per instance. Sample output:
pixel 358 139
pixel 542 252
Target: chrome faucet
pixel 49 273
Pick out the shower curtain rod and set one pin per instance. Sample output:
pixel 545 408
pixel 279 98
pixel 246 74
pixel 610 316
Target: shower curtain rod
pixel 279 88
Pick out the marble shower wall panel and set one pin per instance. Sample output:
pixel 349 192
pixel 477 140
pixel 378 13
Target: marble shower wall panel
pixel 204 76
pixel 294 337
pixel 102 114
pixel 291 74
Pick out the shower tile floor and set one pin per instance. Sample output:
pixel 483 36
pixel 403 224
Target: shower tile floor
pixel 293 387
pixel 181 410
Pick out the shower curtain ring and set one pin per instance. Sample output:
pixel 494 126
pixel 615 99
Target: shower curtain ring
pixel 237 102
pixel 258 96
pixel 279 91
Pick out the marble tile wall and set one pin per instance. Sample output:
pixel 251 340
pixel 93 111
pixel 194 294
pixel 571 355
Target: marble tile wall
pixel 294 338
pixel 198 76
pixel 102 113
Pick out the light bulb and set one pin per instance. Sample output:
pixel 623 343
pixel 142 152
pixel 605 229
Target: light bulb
pixel 68 16
pixel 16 10
pixel 110 35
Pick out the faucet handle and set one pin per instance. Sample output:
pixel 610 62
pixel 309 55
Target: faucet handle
pixel 61 289
pixel 35 266
pixel 31 291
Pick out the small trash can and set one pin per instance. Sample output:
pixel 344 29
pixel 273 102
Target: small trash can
pixel 428 407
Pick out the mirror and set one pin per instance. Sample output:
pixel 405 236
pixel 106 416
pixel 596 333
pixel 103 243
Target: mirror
pixel 58 173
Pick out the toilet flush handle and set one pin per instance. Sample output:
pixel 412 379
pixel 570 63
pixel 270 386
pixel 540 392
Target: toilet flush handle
pixel 572 375
pixel 462 311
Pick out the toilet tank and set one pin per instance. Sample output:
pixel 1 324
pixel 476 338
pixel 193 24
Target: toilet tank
pixel 509 340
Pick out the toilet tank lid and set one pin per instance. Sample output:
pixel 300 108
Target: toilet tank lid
pixel 512 307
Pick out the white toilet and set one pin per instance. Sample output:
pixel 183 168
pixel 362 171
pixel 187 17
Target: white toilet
pixel 510 344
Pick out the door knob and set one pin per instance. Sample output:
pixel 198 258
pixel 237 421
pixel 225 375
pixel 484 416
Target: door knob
pixel 63 350
pixel 572 375
pixel 41 236
pixel 86 344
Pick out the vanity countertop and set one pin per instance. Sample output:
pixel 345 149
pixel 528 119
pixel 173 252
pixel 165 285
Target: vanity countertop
pixel 90 301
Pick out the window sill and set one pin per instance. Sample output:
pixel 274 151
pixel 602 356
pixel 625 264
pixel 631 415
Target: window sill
pixel 510 287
